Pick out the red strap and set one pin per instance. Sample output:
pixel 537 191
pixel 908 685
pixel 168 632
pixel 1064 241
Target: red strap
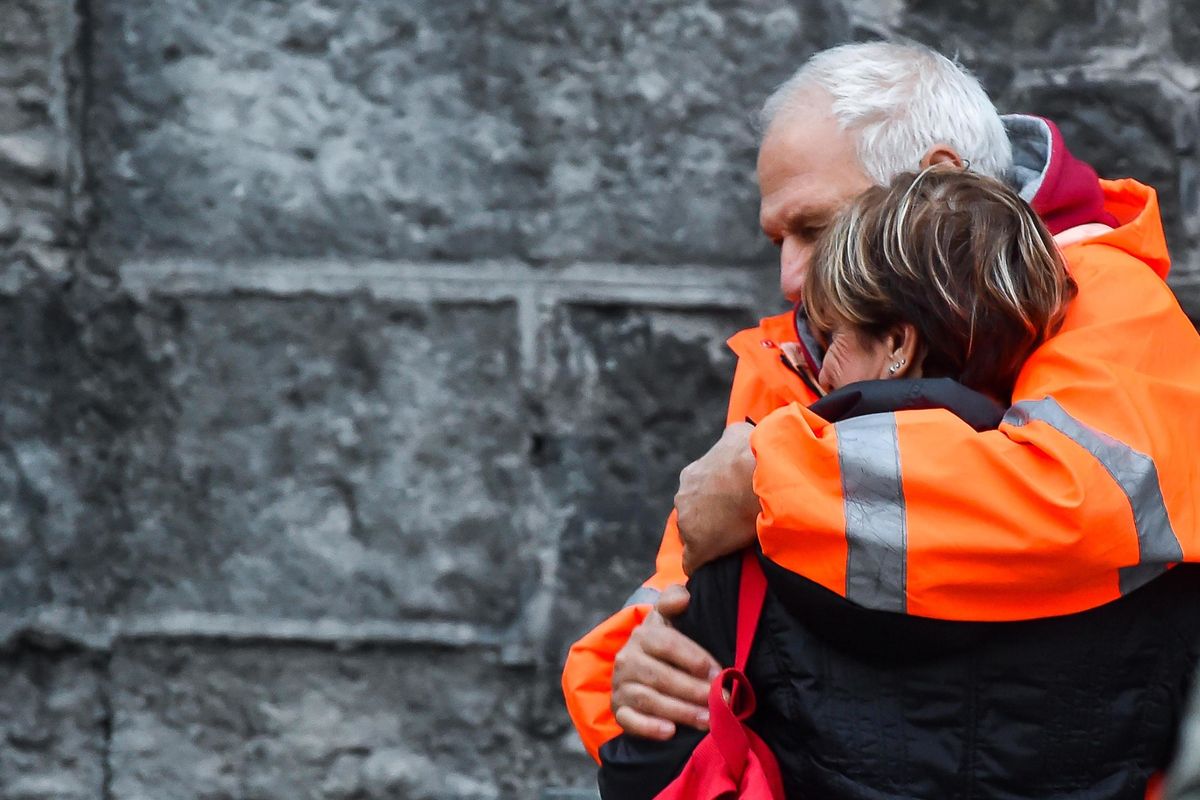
pixel 751 593
pixel 726 715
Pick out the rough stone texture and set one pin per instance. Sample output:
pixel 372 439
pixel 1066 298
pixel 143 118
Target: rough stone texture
pixel 80 399
pixel 555 130
pixel 38 161
pixel 340 458
pixel 220 722
pixel 227 480
pixel 980 32
pixel 1185 30
pixel 52 732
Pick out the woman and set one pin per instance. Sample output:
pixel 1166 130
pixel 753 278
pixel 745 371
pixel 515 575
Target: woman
pixel 930 293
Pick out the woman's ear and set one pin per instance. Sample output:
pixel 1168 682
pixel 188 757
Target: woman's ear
pixel 904 350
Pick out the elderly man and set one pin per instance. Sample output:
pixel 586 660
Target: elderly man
pixel 1088 490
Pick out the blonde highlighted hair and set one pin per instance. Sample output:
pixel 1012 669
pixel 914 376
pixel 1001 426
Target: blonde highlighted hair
pixel 960 257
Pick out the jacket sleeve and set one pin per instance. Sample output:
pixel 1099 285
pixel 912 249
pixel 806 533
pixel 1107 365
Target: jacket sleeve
pixel 587 674
pixel 1088 489
pixel 638 769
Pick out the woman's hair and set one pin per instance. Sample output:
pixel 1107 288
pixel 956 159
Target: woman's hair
pixel 957 255
pixel 898 100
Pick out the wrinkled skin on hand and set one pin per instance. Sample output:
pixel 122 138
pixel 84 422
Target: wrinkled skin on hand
pixel 661 677
pixel 716 501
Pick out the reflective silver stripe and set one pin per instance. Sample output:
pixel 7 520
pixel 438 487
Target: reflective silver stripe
pixel 876 526
pixel 1134 472
pixel 644 595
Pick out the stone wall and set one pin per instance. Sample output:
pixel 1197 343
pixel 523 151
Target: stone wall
pixel 352 349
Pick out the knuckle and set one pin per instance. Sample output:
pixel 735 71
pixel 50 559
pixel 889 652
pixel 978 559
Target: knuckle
pixel 651 638
pixel 654 677
pixel 637 698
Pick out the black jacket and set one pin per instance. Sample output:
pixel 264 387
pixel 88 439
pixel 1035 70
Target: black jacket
pixel 867 704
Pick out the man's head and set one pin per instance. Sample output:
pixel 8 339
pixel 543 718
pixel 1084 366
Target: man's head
pixel 856 116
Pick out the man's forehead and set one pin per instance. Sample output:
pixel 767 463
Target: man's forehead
pixel 807 166
pixel 797 188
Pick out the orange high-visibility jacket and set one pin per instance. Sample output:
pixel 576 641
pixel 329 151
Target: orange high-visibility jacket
pixel 1090 487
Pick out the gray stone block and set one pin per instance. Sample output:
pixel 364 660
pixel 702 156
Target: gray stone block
pixel 221 722
pixel 1028 33
pixel 324 458
pixel 52 730
pixel 79 404
pixel 997 40
pixel 548 131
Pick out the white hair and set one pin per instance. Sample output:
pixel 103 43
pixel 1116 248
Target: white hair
pixel 899 100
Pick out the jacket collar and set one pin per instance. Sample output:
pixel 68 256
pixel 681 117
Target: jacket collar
pixel 1139 230
pixel 874 397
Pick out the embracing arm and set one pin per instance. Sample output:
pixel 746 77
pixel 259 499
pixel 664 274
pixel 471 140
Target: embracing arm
pixel 680 695
pixel 1088 489
pixel 632 767
pixel 588 675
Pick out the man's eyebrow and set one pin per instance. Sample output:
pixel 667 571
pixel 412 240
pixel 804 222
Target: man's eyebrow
pixel 807 217
pixel 822 214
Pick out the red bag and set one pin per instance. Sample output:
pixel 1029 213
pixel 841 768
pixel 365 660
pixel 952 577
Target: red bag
pixel 731 761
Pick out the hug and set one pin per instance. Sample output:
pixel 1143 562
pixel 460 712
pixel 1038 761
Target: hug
pixel 969 482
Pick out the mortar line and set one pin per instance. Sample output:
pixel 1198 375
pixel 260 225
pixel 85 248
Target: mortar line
pixel 102 634
pixel 528 327
pixel 485 281
pixel 107 726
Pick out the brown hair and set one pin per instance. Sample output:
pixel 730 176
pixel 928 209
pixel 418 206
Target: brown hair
pixel 957 255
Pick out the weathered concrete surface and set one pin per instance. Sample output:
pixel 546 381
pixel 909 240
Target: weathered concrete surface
pixel 39 164
pixel 559 130
pixel 54 726
pixel 342 459
pixel 219 722
pixel 46 424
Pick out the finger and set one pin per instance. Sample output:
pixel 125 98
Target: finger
pixel 668 680
pixel 638 724
pixel 673 601
pixel 653 704
pixel 664 644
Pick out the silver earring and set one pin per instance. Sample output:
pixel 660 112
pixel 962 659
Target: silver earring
pixel 894 368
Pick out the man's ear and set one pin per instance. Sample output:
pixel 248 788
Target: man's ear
pixel 905 351
pixel 942 153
